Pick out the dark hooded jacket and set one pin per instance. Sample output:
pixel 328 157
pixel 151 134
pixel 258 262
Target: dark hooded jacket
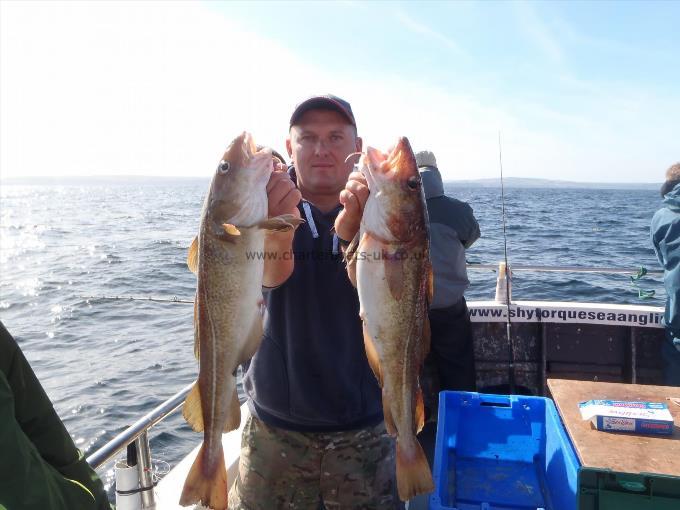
pixel 665 232
pixel 453 228
pixel 311 373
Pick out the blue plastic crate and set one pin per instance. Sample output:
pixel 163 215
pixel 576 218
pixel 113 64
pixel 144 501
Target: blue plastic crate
pixel 496 452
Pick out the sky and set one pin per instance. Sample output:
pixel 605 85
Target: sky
pixel 579 91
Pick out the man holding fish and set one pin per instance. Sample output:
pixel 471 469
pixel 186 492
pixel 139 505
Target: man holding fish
pixel 334 366
pixel 316 435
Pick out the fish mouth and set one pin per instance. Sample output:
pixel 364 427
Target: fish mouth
pixel 253 152
pixel 243 152
pixel 401 159
pixel 248 146
pixel 396 162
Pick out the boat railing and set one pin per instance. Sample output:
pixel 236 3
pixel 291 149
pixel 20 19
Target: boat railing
pixel 566 269
pixel 156 415
pixel 137 434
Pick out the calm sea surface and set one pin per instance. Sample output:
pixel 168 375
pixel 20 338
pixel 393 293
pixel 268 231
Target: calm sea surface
pixel 105 362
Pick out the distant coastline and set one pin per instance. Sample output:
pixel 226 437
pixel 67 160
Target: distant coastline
pixel 510 182
pixel 528 182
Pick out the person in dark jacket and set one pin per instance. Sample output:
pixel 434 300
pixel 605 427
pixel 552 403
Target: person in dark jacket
pixel 40 467
pixel 453 229
pixel 316 435
pixel 665 232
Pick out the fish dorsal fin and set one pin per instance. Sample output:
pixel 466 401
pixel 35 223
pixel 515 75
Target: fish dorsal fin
pixel 387 414
pixel 192 257
pixel 193 412
pixel 425 343
pixel 420 410
pixel 234 416
pixel 253 340
pixel 372 355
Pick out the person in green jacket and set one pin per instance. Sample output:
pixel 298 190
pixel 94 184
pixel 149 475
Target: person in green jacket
pixel 40 466
pixel 665 232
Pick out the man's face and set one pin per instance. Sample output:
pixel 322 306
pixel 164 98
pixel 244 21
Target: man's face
pixel 319 144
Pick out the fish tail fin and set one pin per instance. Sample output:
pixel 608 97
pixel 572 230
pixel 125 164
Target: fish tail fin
pixel 208 488
pixel 413 471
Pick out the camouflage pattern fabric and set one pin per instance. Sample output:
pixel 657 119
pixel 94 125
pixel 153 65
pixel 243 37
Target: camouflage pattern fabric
pixel 309 471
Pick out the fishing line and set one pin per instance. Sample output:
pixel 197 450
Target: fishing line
pixel 508 329
pixel 173 299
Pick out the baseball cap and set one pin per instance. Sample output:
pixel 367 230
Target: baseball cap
pixel 324 102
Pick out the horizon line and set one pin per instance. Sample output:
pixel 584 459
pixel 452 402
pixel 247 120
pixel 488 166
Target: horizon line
pixel 10 180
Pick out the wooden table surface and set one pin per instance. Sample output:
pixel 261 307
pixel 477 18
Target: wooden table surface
pixel 627 453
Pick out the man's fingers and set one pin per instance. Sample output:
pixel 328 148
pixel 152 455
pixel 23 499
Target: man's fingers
pixel 279 190
pixel 351 203
pixel 358 176
pixel 279 179
pixel 346 226
pixel 360 190
pixel 290 201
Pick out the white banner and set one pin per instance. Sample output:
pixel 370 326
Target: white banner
pixel 567 313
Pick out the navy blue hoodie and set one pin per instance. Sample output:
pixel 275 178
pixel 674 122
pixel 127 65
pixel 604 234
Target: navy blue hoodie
pixel 311 372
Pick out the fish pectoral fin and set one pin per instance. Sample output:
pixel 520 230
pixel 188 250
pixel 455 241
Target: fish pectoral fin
pixel 192 256
pixel 413 471
pixel 253 341
pixel 193 411
pixel 372 355
pixel 234 416
pixel 281 223
pixel 230 229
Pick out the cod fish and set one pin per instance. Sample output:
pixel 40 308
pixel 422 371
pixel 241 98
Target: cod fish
pixel 389 263
pixel 227 316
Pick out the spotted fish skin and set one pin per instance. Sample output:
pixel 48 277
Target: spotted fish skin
pixel 389 263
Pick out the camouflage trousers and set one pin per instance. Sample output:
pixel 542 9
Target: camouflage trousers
pixel 310 471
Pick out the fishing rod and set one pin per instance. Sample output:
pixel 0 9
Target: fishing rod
pixel 508 328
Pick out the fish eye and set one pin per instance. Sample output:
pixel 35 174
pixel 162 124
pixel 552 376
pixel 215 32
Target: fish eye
pixel 413 183
pixel 223 167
